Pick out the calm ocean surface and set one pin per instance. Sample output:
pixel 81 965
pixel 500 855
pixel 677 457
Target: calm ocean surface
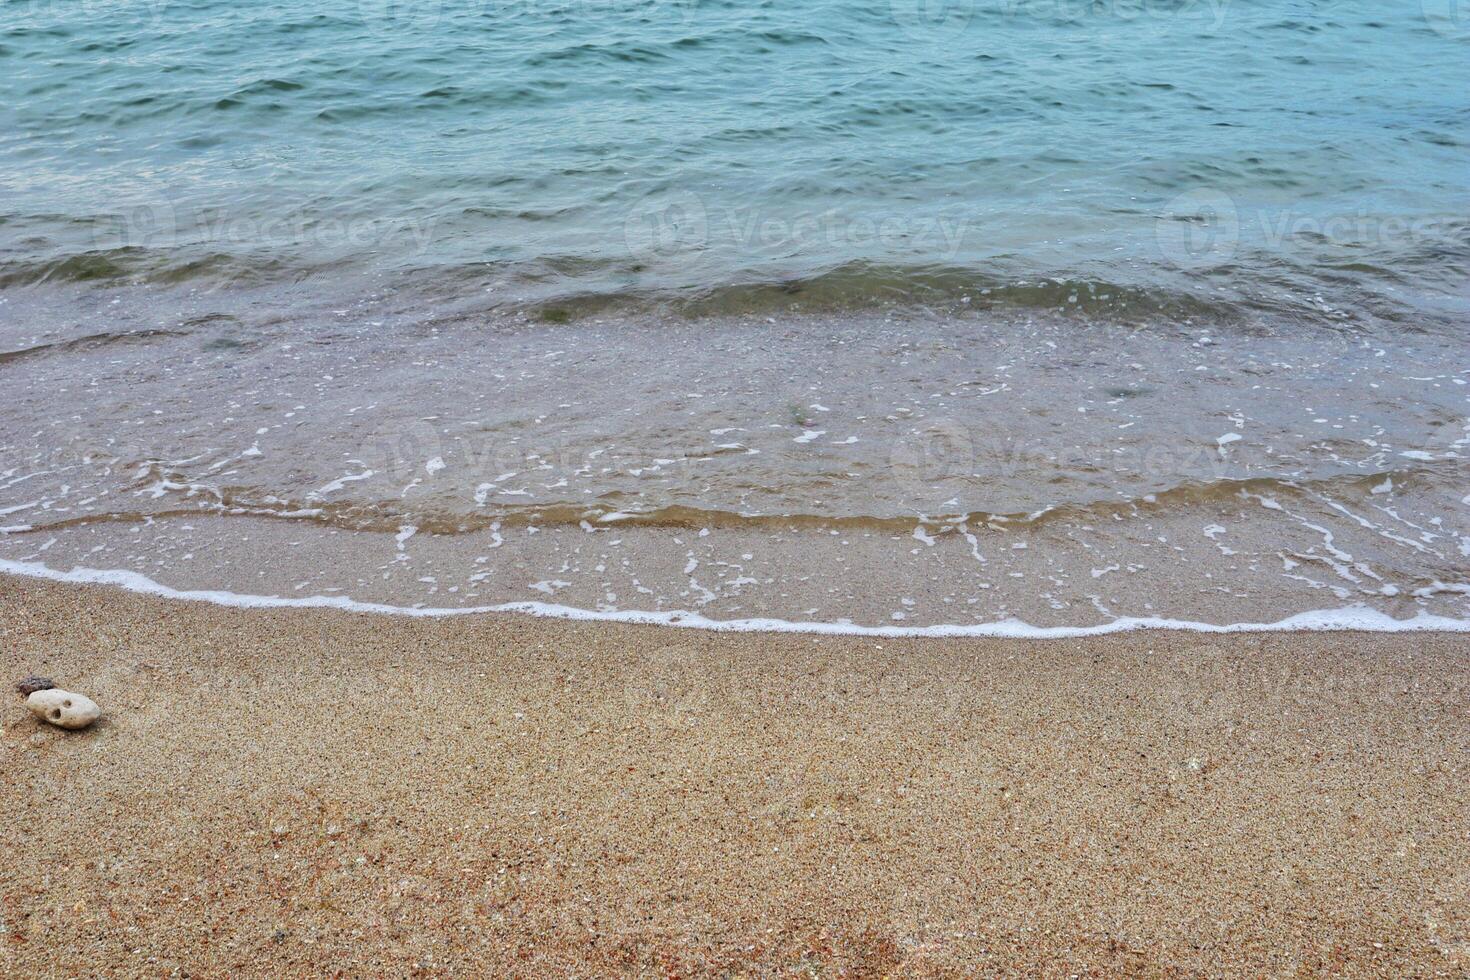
pixel 910 312
pixel 1282 155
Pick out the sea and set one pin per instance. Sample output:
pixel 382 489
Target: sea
pixel 1012 317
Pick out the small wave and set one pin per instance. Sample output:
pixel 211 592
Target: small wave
pixel 89 342
pixel 1412 292
pixel 861 286
pixel 1347 618
pixel 389 516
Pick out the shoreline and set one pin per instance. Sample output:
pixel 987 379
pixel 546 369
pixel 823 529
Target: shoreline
pixel 271 789
pixel 1355 618
pixel 1176 479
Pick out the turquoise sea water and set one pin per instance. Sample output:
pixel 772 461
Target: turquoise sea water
pixel 1307 157
pixel 917 312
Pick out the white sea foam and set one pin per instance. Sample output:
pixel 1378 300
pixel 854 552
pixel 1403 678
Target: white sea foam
pixel 340 482
pixel 1345 618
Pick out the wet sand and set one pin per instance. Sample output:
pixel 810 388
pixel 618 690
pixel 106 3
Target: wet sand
pixel 307 793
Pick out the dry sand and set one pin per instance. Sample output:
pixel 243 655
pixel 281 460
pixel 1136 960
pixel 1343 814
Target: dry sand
pixel 323 794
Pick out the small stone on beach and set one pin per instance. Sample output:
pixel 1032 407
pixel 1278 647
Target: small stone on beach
pixel 30 685
pixel 63 708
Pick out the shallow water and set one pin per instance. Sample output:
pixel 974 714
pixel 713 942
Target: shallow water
pixel 887 313
pixel 869 467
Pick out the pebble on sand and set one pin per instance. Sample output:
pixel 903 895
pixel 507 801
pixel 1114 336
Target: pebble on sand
pixel 63 708
pixel 30 685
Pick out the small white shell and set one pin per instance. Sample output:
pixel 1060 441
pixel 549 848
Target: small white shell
pixel 63 708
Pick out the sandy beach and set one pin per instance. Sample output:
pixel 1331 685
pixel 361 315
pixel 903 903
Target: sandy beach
pixel 308 793
pixel 895 489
